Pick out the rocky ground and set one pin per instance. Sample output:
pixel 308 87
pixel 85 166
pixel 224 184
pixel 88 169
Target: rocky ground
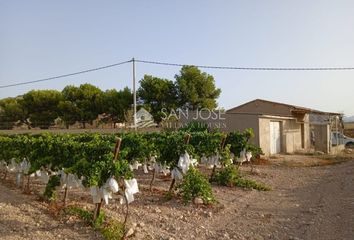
pixel 310 199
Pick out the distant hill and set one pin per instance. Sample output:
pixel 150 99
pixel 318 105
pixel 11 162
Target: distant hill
pixel 348 119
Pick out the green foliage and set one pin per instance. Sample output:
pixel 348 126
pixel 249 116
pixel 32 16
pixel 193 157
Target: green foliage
pixel 113 230
pixel 42 107
pixel 11 111
pixel 68 112
pixel 194 185
pixel 157 94
pixel 241 140
pixel 170 147
pixel 87 103
pixel 227 176
pixel 50 190
pixel 193 127
pixel 136 147
pixel 87 216
pixel 117 103
pixel 110 229
pixel 83 214
pixel 196 89
pixel 256 151
pixel 230 176
pixel 247 183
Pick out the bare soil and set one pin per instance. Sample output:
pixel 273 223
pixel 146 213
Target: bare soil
pixel 311 198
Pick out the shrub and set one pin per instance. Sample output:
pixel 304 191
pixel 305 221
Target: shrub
pixel 230 176
pixel 227 176
pixel 109 228
pixel 113 230
pixel 50 190
pixel 194 185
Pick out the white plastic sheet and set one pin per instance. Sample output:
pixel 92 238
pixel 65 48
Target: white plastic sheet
pixel 184 162
pixel 13 166
pixel 145 168
pixel 176 174
pixel 132 185
pixel 44 177
pixel 242 158
pixel 96 194
pixel 24 166
pixel 248 156
pixel 113 185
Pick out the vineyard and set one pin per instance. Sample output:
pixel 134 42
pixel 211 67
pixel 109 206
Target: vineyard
pixel 104 165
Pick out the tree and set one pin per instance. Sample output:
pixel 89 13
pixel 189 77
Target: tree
pixel 68 112
pixel 196 89
pixel 11 111
pixel 117 103
pixel 42 107
pixel 86 103
pixel 156 94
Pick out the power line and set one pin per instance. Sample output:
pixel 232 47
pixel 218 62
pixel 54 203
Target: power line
pixel 250 68
pixel 181 65
pixel 66 75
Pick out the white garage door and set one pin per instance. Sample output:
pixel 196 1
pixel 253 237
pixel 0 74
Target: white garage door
pixel 274 137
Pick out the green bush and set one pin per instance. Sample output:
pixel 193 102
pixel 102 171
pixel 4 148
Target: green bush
pixel 109 228
pixel 230 176
pixel 194 185
pixel 247 183
pixel 113 230
pixel 227 176
pixel 50 189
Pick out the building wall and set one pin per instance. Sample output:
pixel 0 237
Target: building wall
pixel 264 135
pixel 322 135
pixel 239 122
pixel 290 135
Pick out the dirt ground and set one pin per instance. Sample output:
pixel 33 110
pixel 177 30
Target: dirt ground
pixel 310 199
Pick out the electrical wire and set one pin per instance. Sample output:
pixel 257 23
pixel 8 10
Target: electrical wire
pixel 250 68
pixel 181 65
pixel 66 75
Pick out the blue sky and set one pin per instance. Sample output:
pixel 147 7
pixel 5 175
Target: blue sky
pixel 40 39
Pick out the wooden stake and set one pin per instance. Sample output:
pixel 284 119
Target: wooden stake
pixel 117 148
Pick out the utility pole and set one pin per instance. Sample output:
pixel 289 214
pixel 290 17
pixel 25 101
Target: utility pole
pixel 134 94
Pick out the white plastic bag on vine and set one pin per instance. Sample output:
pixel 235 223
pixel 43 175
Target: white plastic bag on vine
pixel 25 166
pixel 131 185
pixel 136 165
pixel 96 194
pixel 113 185
pixel 248 156
pixel 63 178
pixel 44 177
pixel 129 196
pixel 145 168
pixel 106 195
pixel 13 167
pixel 176 174
pixel 18 179
pixel 38 173
pixel 184 162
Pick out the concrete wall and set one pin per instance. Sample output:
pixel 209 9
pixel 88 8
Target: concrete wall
pixel 290 135
pixel 239 122
pixel 264 135
pixel 322 137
